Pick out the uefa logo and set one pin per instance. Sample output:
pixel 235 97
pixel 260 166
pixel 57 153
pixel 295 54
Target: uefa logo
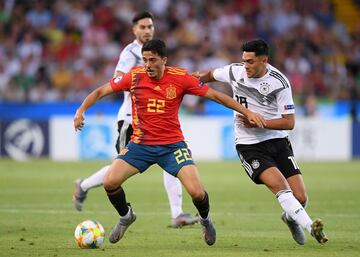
pixel 23 139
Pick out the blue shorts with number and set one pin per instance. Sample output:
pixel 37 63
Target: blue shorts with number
pixel 171 157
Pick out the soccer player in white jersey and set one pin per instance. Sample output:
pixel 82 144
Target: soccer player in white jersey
pixel 143 30
pixel 266 153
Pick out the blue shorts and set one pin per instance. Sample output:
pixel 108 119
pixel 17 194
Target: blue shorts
pixel 171 157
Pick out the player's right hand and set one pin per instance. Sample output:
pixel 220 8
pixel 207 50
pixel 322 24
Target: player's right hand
pixel 255 120
pixel 79 120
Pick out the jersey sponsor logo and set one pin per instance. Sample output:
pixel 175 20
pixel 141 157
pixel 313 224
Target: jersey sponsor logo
pixel 264 88
pixel 255 164
pixel 289 107
pixel 171 92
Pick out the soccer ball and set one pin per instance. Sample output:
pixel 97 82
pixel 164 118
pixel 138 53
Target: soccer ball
pixel 89 234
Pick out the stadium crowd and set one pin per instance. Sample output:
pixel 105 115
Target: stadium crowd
pixel 60 50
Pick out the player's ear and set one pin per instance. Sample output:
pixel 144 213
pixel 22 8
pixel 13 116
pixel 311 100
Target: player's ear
pixel 164 60
pixel 264 59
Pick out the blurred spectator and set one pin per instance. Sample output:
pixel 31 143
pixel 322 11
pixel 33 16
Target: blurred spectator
pixel 4 80
pixel 39 16
pixel 285 18
pixel 310 105
pixel 23 79
pixel 80 16
pixel 29 46
pixel 61 49
pixel 5 11
pixel 61 79
pixel 324 13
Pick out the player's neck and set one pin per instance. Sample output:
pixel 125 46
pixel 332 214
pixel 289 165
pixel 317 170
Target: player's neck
pixel 263 72
pixel 139 42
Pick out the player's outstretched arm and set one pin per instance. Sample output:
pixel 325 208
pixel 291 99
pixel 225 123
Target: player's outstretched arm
pixel 286 122
pixel 89 101
pixel 254 118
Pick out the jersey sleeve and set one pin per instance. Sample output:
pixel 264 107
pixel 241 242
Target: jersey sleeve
pixel 126 61
pixel 222 74
pixel 195 87
pixel 121 83
pixel 285 102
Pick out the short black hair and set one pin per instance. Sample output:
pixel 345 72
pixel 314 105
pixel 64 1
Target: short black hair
pixel 142 15
pixel 155 46
pixel 258 46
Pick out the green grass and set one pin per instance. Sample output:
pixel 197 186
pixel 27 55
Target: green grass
pixel 37 217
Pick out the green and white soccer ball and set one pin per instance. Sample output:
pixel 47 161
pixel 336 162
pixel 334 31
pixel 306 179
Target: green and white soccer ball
pixel 89 234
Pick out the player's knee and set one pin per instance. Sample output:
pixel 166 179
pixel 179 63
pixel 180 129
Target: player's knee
pixel 197 194
pixel 109 184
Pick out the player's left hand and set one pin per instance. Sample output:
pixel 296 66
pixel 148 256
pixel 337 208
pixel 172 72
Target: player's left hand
pixel 79 120
pixel 253 120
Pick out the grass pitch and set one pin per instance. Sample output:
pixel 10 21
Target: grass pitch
pixel 37 217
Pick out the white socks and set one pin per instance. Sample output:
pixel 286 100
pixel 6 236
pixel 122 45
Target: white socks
pixel 174 191
pixel 294 209
pixel 94 180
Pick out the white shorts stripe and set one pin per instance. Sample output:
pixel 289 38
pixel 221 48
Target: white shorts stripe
pixel 123 131
pixel 246 166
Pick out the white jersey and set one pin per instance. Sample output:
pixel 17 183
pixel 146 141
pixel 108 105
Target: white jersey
pixel 130 56
pixel 269 96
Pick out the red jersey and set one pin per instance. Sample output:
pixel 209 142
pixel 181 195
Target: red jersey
pixel 155 103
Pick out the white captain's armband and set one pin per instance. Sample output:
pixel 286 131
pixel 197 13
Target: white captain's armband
pixel 117 79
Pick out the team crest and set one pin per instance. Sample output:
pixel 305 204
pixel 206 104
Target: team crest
pixel 264 88
pixel 171 92
pixel 255 164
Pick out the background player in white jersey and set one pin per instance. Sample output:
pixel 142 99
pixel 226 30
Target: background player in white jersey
pixel 143 30
pixel 266 153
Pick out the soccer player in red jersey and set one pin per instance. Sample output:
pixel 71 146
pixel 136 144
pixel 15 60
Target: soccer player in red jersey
pixel 156 93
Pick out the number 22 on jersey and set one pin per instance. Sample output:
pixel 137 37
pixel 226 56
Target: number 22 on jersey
pixel 155 105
